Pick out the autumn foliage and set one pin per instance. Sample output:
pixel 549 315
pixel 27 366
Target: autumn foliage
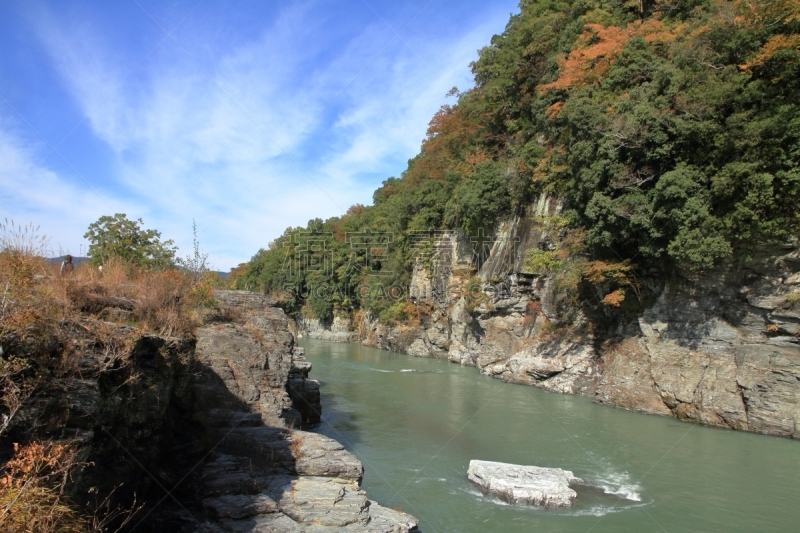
pixel 668 129
pixel 32 488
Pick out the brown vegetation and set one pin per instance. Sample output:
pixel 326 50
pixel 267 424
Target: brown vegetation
pixel 42 316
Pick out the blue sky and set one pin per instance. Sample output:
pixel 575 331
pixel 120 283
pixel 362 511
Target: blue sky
pixel 246 116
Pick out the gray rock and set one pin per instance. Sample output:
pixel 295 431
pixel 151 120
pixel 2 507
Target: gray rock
pixel 318 455
pixel 532 485
pixel 321 501
pixel 720 348
pixel 384 520
pixel 266 476
pixel 238 506
pixel 245 300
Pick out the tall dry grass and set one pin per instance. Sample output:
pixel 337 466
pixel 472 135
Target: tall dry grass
pixel 32 491
pixel 33 500
pixel 39 311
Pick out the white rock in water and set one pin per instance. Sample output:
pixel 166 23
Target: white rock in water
pixel 533 485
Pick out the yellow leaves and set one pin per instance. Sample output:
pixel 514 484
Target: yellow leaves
pixel 775 44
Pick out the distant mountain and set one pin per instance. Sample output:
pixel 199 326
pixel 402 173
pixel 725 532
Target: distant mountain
pixel 75 260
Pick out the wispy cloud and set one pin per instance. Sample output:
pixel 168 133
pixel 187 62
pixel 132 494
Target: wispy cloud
pixel 61 206
pixel 209 118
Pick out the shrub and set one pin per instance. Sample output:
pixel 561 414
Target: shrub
pixel 473 293
pixel 541 261
pixel 394 314
pixel 32 491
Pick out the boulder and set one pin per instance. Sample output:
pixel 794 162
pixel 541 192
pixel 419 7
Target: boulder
pixel 532 485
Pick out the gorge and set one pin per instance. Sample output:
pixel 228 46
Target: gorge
pixel 417 432
pixel 719 348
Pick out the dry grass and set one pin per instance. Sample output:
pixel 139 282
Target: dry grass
pixel 32 491
pixel 163 302
pixel 296 447
pixel 44 317
pixel 32 499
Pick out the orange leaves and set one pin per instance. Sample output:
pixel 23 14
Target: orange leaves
pixel 775 44
pixel 653 30
pixel 614 298
pixel 35 458
pixel 31 491
pixel 601 271
pixel 354 210
pixel 619 275
pixel 474 159
pixel 553 111
pixel 449 132
pixel 597 49
pixel 755 14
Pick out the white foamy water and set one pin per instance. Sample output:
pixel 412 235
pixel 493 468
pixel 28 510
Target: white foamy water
pixel 618 484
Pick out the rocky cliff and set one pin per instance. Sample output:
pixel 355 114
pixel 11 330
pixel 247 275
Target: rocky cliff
pixel 721 349
pixel 206 431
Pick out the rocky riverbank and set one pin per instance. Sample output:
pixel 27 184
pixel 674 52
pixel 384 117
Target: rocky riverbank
pixel 721 349
pixel 265 475
pixel 207 433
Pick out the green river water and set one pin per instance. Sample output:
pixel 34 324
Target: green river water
pixel 416 423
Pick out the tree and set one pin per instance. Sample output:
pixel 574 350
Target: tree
pixel 197 263
pixel 479 199
pixel 123 239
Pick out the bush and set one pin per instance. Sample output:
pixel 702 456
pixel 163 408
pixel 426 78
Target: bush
pixel 394 314
pixel 541 261
pixel 473 294
pixel 32 491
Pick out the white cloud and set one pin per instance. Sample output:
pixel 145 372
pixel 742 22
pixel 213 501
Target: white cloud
pixel 32 193
pixel 186 145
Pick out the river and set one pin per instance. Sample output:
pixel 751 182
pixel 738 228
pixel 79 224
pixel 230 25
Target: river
pixel 416 423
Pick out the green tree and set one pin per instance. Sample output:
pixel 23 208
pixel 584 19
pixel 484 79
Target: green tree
pixel 479 199
pixel 120 238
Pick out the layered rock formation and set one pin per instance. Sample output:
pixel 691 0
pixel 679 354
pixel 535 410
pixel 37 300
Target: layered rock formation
pixel 264 476
pixel 722 349
pixel 205 431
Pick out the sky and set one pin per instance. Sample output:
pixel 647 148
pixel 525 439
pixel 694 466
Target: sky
pixel 247 117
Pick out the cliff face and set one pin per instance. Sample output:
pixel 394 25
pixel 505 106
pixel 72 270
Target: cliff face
pixel 264 475
pixel 205 431
pixel 722 349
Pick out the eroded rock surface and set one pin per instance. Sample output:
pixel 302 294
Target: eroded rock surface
pixel 531 485
pixel 721 349
pixel 264 475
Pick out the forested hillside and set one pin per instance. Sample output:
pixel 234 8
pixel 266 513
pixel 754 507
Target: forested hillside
pixel 670 129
